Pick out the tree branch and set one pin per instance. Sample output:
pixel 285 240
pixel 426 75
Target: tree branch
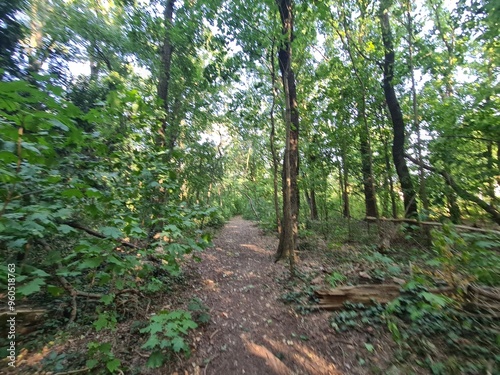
pixel 99 235
pixel 462 193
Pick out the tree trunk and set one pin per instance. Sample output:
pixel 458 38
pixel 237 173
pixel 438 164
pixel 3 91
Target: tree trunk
pixel 313 205
pixel 167 136
pixel 364 132
pixel 344 185
pixel 453 207
pixel 416 122
pixel 398 126
pixel 289 233
pixel 274 155
pixel 367 170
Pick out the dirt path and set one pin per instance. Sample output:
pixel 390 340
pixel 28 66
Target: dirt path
pixel 251 331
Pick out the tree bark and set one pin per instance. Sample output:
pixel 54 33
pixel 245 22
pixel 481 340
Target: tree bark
pixel 289 233
pixel 398 126
pixel 364 132
pixel 167 136
pixel 416 123
pixel 313 205
pixel 344 186
pixel 271 141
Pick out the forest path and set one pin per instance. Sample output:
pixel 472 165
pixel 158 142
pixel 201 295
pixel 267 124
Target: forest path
pixel 251 331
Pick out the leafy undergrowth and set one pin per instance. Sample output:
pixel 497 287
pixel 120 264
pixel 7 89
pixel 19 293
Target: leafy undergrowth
pixel 434 333
pixel 131 335
pixel 93 232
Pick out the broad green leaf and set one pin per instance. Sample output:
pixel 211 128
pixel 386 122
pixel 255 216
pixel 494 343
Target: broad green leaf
pixel 58 124
pixel 111 232
pixel 65 229
pixel 113 365
pixel 91 363
pixel 151 343
pixel 90 263
pixel 434 299
pixel 178 344
pixel 31 287
pixel 107 298
pixel 155 360
pixel 72 193
pixel 55 290
pixel 40 273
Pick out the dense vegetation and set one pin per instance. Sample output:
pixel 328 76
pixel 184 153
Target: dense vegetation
pixel 129 130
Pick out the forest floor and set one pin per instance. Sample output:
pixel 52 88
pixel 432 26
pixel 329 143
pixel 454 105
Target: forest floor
pixel 257 320
pixel 252 330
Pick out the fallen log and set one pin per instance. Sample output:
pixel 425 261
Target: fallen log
pixel 369 294
pixel 26 320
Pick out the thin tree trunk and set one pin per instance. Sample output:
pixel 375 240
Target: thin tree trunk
pixel 289 233
pixel 416 122
pixel 313 205
pixel 453 207
pixel 364 134
pixel 388 168
pixel 167 136
pixel 409 196
pixel 344 173
pixel 271 141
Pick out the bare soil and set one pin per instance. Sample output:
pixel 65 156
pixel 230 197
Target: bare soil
pixel 252 331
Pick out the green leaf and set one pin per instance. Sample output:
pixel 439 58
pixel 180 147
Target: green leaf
pixel 31 287
pixel 55 290
pixel 111 232
pixel 107 299
pixel 434 299
pixel 58 124
pixel 65 229
pixel 17 244
pixel 8 157
pixel 91 363
pixel 64 213
pixel 155 360
pixel 93 193
pixel 369 347
pixel 90 263
pixel 113 365
pixel 101 322
pixel 151 343
pixel 30 147
pixel 72 193
pixel 40 273
pixel 178 344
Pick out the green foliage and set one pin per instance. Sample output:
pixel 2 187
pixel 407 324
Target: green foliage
pixel 95 215
pixel 357 316
pixel 424 321
pixel 466 257
pixel 166 331
pixel 335 278
pixel 199 311
pixel 102 358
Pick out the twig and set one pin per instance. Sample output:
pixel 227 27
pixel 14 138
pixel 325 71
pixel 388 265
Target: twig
pixel 142 354
pixel 206 365
pixel 213 334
